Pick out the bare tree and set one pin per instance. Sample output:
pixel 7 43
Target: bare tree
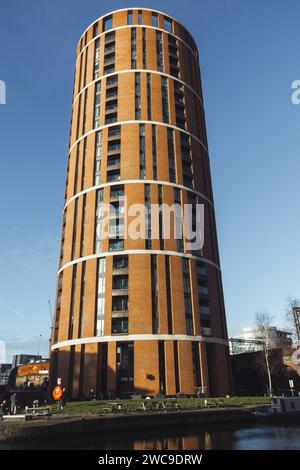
pixel 263 324
pixel 291 303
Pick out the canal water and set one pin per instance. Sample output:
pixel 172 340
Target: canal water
pixel 257 437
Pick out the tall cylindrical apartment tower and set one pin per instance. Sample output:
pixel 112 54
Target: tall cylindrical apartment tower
pixel 137 315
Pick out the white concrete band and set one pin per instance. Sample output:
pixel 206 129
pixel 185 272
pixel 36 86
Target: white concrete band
pixel 137 252
pixel 142 337
pixel 124 182
pixel 137 121
pixel 138 71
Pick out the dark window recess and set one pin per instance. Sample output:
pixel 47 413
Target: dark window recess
pixel 154 298
pixel 107 23
pixel 120 262
pixel 125 368
pixel 176 368
pixel 169 302
pixel 119 325
pixel 161 360
pixel 196 364
pixel 120 303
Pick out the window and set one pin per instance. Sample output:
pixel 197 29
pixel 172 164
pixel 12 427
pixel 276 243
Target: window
pixel 120 303
pixel 140 17
pixel 168 288
pixel 187 297
pixel 107 23
pixel 148 216
pixel 98 156
pixel 133 48
pixel 111 105
pixel 187 167
pixel 74 238
pixel 179 105
pixel 154 297
pixel 95 30
pixel 116 245
pixel 120 262
pixel 119 326
pixel 120 282
pixel 83 225
pixel 78 117
pixel 165 99
pixel 196 364
pixel 96 59
pixel 109 53
pixel 85 66
pixel 112 81
pixel 161 230
pixel 154 20
pixel 137 96
pixel 73 291
pixel 76 168
pixel 142 152
pixel 99 221
pixel 114 132
pixel 154 152
pixel 149 113
pixel 84 111
pixel 100 304
pixel 144 48
pixel 116 192
pixel 97 104
pixel 113 175
pixel 171 155
pixel 81 317
pixel 159 51
pixel 168 24
pixel 129 17
pixel 177 200
pixel 173 56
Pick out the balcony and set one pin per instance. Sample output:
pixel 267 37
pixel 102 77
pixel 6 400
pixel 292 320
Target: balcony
pixel 119 305
pixel 113 148
pixel 109 69
pixel 202 290
pixel 114 134
pixel 206 331
pixel 119 325
pixel 204 310
pixel 201 272
pixel 111 82
pixel 117 197
pixel 111 118
pixel 116 245
pixel 109 48
pixel 113 175
pixel 111 106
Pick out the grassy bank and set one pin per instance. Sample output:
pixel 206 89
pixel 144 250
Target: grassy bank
pixel 96 407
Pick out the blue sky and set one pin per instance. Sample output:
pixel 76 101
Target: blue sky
pixel 249 58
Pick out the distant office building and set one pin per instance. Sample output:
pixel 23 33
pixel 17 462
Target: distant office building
pixel 4 373
pixel 251 340
pixel 20 359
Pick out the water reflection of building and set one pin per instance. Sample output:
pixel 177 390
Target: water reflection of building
pixel 199 440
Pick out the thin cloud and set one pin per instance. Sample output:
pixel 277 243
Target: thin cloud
pixel 20 315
